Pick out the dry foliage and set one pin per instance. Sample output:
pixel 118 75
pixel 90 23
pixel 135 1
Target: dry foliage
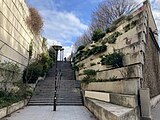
pixel 34 21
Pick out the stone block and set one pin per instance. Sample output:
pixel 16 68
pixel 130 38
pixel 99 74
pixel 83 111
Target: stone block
pixel 3 112
pixel 98 95
pixel 108 111
pixel 145 102
pixel 124 86
pixel 124 100
pixel 15 107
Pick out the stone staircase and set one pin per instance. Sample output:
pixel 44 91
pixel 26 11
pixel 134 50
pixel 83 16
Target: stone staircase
pixel 68 91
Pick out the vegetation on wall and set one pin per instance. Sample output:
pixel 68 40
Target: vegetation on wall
pixel 8 98
pixel 34 21
pixel 89 76
pixel 92 64
pixel 97 35
pixel 89 72
pixel 37 68
pixel 112 38
pixel 114 59
pixel 95 50
pixel 10 72
pixel 130 25
pixel 80 48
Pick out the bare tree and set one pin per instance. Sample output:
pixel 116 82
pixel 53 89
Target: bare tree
pixel 105 14
pixel 84 39
pixel 110 10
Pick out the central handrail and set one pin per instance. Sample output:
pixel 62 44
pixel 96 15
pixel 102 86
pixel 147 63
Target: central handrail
pixel 57 83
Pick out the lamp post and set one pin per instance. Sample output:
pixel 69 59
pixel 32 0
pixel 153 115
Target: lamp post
pixel 62 49
pixel 56 48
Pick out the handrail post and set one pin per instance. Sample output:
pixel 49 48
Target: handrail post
pixel 55 98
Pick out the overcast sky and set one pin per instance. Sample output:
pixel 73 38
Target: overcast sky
pixel 65 20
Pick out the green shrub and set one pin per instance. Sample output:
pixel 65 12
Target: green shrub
pixel 97 35
pixel 92 64
pixel 81 47
pixel 95 50
pixel 126 28
pixel 46 61
pixel 108 30
pixel 130 25
pixel 88 80
pixel 76 68
pixel 32 72
pixel 81 65
pixel 112 38
pixel 89 72
pixel 114 59
pixel 7 98
pixel 99 49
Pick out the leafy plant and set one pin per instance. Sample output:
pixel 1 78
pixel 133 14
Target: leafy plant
pixel 92 64
pixel 114 59
pixel 30 49
pixel 88 80
pixel 98 34
pixel 126 28
pixel 81 47
pixel 89 72
pixel 130 25
pixel 34 71
pixel 10 72
pixel 81 65
pixel 112 38
pixel 37 68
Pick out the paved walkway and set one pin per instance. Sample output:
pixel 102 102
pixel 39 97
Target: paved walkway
pixel 156 112
pixel 47 113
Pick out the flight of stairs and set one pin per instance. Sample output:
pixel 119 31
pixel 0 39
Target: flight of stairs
pixel 68 91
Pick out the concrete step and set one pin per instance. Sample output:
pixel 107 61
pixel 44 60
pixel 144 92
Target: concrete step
pixel 118 99
pixel 107 111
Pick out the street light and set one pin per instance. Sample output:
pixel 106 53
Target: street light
pixel 61 51
pixel 56 48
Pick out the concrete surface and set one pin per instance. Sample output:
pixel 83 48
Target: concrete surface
pixel 130 86
pixel 98 95
pixel 156 112
pixel 47 113
pixel 7 110
pixel 108 111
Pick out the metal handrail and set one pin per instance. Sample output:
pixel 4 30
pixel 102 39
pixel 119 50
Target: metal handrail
pixel 57 83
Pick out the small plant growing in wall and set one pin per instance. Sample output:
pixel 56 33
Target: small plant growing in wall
pixel 89 76
pixel 92 64
pixel 114 59
pixel 112 38
pixel 89 72
pixel 81 47
pixel 97 35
